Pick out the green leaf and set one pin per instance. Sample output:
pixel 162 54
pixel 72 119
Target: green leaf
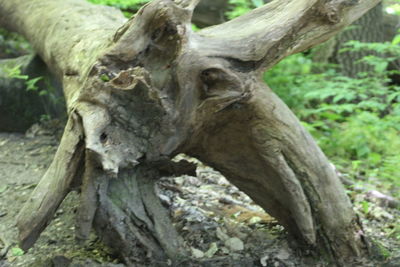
pixel 43 92
pixel 3 188
pixel 104 77
pixel 15 73
pixel 365 207
pixel 31 84
pixel 257 3
pixel 396 40
pixel 16 251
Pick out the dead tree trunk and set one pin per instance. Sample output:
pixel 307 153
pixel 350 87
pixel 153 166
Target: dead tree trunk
pixel 140 91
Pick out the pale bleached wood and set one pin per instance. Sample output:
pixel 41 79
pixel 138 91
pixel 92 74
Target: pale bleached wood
pixel 151 88
pixel 66 167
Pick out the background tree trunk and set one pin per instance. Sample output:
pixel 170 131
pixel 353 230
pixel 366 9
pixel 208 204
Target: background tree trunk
pixel 132 107
pixel 367 29
pixel 210 12
pixel 374 27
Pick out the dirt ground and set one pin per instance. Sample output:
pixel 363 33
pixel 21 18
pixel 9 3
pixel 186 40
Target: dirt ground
pixel 220 225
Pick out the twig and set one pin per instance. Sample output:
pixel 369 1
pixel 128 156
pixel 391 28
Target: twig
pixel 7 246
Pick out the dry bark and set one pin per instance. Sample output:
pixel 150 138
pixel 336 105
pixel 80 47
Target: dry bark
pixel 145 89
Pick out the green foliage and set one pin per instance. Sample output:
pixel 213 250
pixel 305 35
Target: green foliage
pixel 355 121
pixel 16 251
pixel 288 77
pixel 394 232
pixel 12 44
pixel 365 206
pixel 240 7
pixel 32 85
pixel 15 73
pixel 128 7
pixel 104 78
pixel 383 251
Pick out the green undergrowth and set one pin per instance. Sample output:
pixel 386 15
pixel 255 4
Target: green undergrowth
pixel 128 7
pixel 240 7
pixel 13 44
pixel 356 121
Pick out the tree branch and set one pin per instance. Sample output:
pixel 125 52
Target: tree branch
pixel 269 33
pixel 38 211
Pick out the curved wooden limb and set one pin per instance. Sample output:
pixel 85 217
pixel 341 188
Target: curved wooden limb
pixel 38 211
pixel 280 28
pixel 285 173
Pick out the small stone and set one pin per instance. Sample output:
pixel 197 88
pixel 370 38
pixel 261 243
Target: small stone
pixel 212 250
pixel 197 253
pixel 283 254
pixel 254 220
pixel 225 250
pixel 263 260
pixel 234 244
pixel 60 261
pixel 179 180
pixel 221 235
pixel 193 181
pixel 165 200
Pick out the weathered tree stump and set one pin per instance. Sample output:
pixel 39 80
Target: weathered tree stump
pixel 141 91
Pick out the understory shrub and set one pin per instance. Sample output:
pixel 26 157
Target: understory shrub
pixel 356 121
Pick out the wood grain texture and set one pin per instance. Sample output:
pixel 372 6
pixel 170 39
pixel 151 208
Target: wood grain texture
pixel 149 88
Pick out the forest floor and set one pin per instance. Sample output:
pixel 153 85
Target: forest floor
pixel 220 225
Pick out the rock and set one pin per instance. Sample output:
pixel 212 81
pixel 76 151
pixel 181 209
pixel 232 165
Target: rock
pixel 190 180
pixel 179 180
pixel 60 261
pixel 283 254
pixel 165 200
pixel 225 250
pixel 234 244
pixel 221 235
pixel 197 253
pixel 212 250
pixel 263 260
pixel 254 220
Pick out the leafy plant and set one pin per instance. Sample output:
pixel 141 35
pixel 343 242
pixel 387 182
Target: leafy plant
pixel 356 121
pixel 16 251
pixel 13 44
pixel 240 7
pixel 128 7
pixel 31 85
pixel 15 72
